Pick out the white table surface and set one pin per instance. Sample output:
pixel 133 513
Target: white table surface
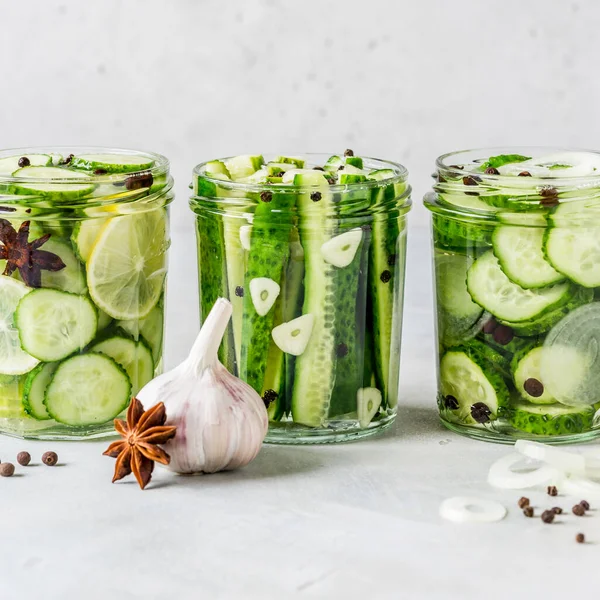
pixel 346 521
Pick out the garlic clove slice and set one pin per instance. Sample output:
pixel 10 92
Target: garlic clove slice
pixel 245 236
pixel 368 401
pixel 293 337
pixel 264 292
pixel 341 250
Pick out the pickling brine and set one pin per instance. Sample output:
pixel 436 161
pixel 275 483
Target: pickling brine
pixel 311 251
pixel 83 241
pixel 517 274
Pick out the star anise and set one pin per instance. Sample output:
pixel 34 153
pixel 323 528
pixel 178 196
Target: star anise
pixel 19 253
pixel 139 449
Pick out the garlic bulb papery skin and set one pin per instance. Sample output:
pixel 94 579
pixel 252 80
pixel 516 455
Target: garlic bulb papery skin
pixel 221 421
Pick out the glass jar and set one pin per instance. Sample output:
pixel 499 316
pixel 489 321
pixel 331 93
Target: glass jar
pixel 83 263
pixel 311 252
pixel 517 279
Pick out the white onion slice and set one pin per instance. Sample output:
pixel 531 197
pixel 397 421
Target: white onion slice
pixel 565 461
pixel 503 476
pixel 468 509
pixel 580 486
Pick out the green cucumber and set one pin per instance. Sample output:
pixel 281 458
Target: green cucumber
pixel 267 258
pixel 150 329
pixel 213 274
pixel 315 367
pixel 496 293
pixel 550 419
pixel 56 183
pixel 52 324
pixel 468 381
pixel 217 167
pixel 519 251
pixel 69 279
pixel 111 163
pixel 454 234
pixel 350 316
pixel 480 352
pixel 355 161
pixel 297 161
pixel 501 160
pixel 134 357
pixel 13 359
pixel 87 389
pixel 526 368
pixel 244 165
pixel 10 164
pixel 457 313
pixel 333 163
pixel 34 392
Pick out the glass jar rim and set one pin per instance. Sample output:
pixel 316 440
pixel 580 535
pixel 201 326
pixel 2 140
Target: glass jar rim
pixel 451 167
pixel 160 166
pixel 401 175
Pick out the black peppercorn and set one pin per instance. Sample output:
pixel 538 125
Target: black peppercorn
pixel 552 491
pixel 580 538
pixel 138 181
pixel 391 261
pixel 316 196
pixel 469 180
pixel 239 291
pixel 578 510
pixel 385 276
pixel 451 402
pixel 492 171
pixel 266 196
pixel 480 412
pixel 534 388
pixel 341 350
pixel 50 458
pixel 100 172
pixel 348 152
pixel 523 502
pixel 69 159
pixel 24 161
pixel 528 511
pixel 548 516
pixel 524 174
pixel 557 510
pixel 503 335
pixel 585 504
pixel 269 396
pixel 7 470
pixel 23 458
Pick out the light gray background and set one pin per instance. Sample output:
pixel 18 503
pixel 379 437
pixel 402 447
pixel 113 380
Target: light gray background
pixel 192 79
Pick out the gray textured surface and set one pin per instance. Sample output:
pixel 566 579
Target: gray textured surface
pixel 197 79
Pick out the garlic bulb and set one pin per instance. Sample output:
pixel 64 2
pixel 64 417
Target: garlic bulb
pixel 221 421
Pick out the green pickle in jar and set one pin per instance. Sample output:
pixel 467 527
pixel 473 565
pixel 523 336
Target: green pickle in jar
pixel 83 263
pixel 516 237
pixel 311 252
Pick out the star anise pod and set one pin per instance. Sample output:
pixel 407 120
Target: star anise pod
pixel 139 449
pixel 26 256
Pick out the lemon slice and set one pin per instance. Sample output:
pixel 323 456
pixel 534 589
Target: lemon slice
pixel 127 266
pixel 13 359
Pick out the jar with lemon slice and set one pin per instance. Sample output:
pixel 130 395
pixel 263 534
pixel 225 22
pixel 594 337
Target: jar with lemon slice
pixel 83 264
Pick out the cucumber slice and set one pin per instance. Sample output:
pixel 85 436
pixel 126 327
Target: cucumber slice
pixel 550 419
pixel 368 401
pixel 266 263
pixel 264 292
pixel 481 353
pixel 131 249
pixel 13 359
pixel 350 174
pixel 340 250
pixel 84 236
pixel 52 324
pixel 454 234
pixel 293 337
pixel 10 164
pixel 58 184
pixel 457 313
pixel 217 167
pixel 494 291
pixel 103 320
pixel 466 383
pixel 355 161
pixel 244 165
pixel 334 163
pixel 575 252
pixel 278 168
pixel 315 366
pixel 528 378
pixel 134 357
pixel 72 277
pixel 150 328
pixel 570 363
pixel 521 257
pixel 112 163
pixel 526 219
pixel 36 383
pixel 87 389
pixel 297 161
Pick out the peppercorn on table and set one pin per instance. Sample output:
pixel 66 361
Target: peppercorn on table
pixel 354 521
